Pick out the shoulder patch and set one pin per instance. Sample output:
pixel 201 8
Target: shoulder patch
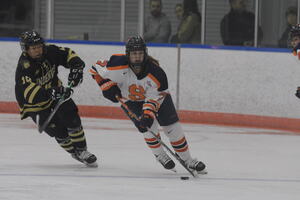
pixel 26 64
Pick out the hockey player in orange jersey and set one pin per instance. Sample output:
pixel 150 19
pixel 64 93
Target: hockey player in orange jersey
pixel 138 78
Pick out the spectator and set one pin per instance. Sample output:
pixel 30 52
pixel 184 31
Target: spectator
pixel 291 18
pixel 237 27
pixel 189 30
pixel 157 26
pixel 179 15
pixel 179 11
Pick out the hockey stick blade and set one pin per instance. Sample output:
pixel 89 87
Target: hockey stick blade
pixel 154 135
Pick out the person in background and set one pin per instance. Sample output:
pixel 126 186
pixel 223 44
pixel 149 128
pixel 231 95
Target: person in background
pixel 179 11
pixel 157 26
pixel 189 29
pixel 237 27
pixel 38 89
pixel 294 38
pixel 139 79
pixel 291 18
pixel 179 15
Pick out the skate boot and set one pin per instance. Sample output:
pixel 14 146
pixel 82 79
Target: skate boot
pixel 196 165
pixel 166 161
pixel 86 158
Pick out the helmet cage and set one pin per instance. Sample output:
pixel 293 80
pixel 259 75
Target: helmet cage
pixel 136 43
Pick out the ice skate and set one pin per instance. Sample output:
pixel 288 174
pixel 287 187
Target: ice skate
pixel 196 165
pixel 86 157
pixel 166 161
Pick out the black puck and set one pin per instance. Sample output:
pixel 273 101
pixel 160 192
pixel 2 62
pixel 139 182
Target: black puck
pixel 184 178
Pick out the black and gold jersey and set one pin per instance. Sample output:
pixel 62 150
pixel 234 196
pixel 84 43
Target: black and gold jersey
pixel 33 78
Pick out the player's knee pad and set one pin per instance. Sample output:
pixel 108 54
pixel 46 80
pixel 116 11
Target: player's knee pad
pixel 52 130
pixel 55 130
pixel 173 131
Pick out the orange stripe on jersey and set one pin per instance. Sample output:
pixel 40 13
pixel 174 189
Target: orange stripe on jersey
pixel 157 105
pixel 107 85
pixel 182 140
pixel 149 106
pixel 154 79
pixel 117 67
pixel 153 101
pixel 150 113
pixel 119 54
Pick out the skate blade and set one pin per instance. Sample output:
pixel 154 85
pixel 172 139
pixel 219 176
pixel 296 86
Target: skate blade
pixel 203 172
pixel 92 165
pixel 173 170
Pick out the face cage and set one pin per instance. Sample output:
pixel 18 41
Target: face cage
pixel 25 47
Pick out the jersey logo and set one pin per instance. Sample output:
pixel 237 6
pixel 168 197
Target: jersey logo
pixel 26 64
pixel 136 92
pixel 102 63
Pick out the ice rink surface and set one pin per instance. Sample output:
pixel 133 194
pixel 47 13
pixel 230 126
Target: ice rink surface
pixel 242 164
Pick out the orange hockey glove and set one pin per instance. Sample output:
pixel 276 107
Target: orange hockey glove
pixel 95 75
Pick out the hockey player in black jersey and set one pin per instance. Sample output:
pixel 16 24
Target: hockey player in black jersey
pixel 38 89
pixel 295 43
pixel 138 79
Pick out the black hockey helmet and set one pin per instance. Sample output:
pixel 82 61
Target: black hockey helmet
pixel 295 31
pixel 30 38
pixel 137 43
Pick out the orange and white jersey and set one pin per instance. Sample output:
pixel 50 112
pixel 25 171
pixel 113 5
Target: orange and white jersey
pixel 150 87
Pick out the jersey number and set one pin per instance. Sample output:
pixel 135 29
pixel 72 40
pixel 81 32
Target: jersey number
pixel 136 93
pixel 26 79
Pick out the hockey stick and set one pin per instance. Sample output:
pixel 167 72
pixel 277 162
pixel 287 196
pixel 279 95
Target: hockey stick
pixel 131 114
pixel 49 118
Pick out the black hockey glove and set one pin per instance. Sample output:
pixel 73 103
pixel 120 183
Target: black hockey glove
pixel 147 119
pixel 141 129
pixel 75 77
pixel 298 92
pixel 57 93
pixel 110 90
